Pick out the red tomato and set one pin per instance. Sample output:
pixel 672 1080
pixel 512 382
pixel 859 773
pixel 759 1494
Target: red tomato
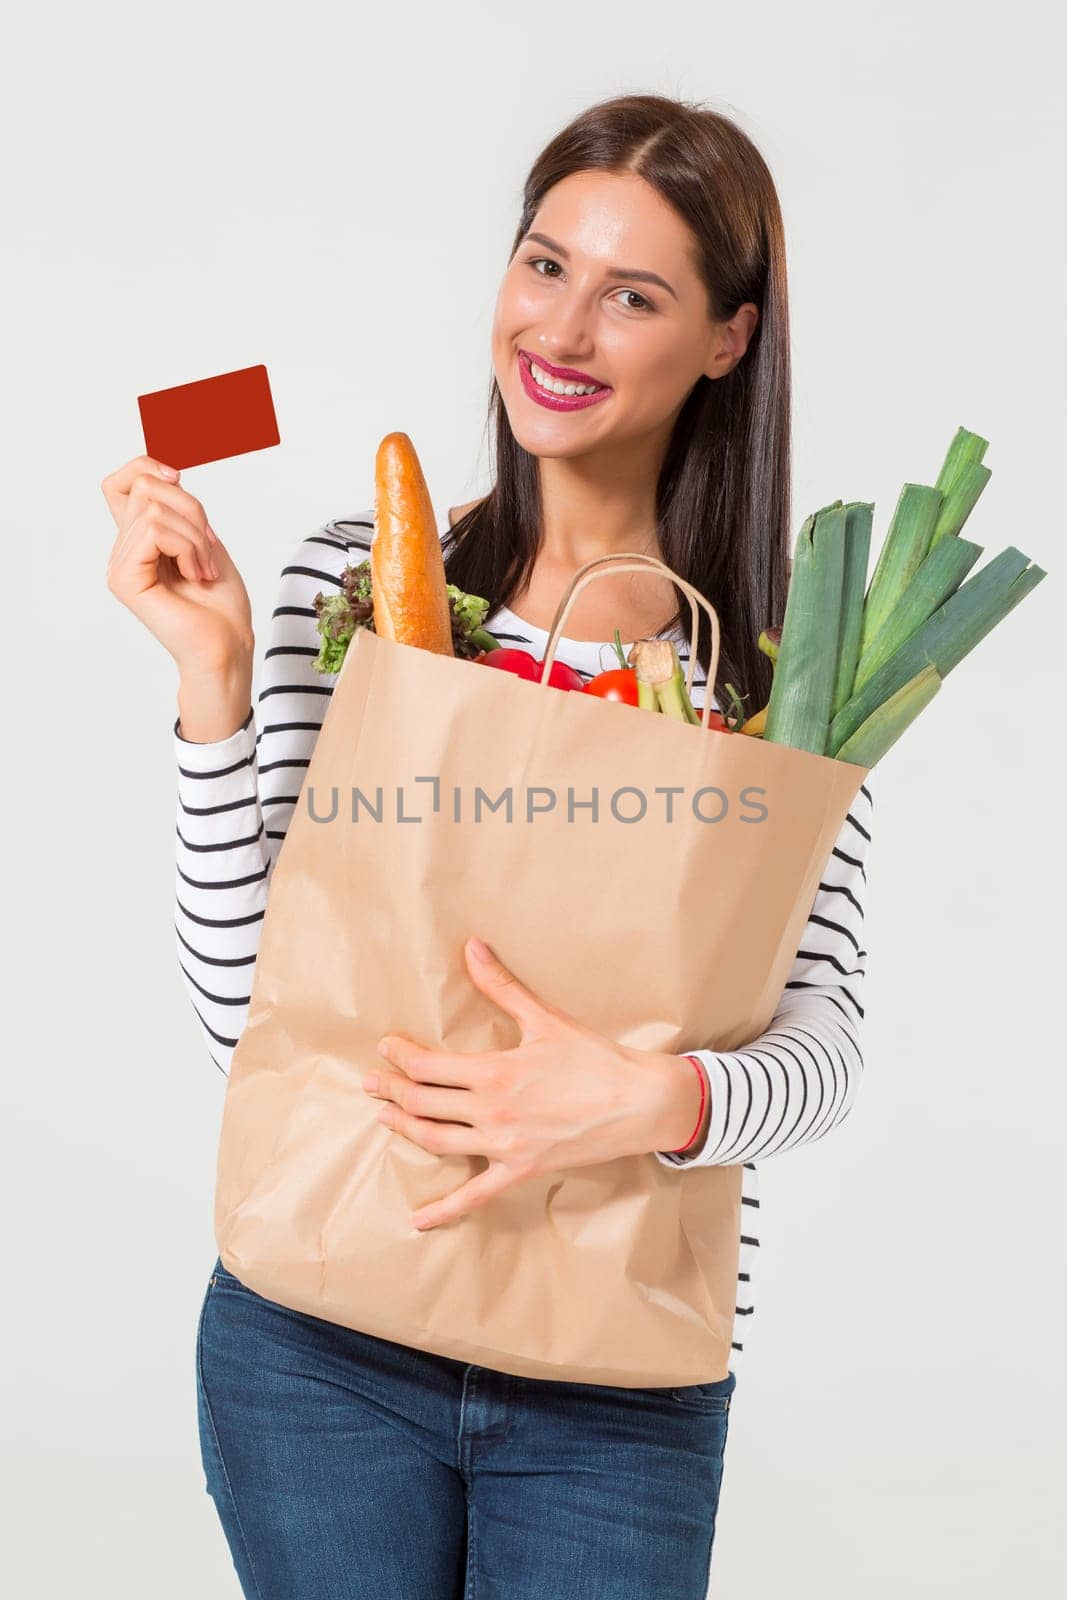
pixel 620 684
pixel 717 722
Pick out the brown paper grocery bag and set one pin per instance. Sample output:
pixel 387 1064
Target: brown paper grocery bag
pixel 668 930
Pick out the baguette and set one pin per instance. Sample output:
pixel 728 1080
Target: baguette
pixel 408 584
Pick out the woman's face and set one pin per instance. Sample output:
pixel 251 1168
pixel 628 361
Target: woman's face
pixel 580 296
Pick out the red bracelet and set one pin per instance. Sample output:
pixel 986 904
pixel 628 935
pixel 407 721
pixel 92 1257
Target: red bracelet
pixel 703 1101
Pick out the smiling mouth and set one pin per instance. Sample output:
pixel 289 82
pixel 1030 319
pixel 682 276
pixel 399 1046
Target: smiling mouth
pixel 558 394
pixel 545 380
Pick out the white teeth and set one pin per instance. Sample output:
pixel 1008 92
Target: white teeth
pixel 555 386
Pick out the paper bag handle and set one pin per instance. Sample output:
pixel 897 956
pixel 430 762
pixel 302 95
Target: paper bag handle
pixel 636 561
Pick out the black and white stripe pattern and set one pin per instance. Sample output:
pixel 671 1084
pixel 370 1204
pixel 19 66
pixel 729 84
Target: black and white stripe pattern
pixel 236 797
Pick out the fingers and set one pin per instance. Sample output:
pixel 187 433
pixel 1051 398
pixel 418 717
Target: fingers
pixel 141 483
pixel 422 1099
pixel 502 986
pixel 147 488
pixel 438 1138
pixel 452 1067
pixel 164 532
pixel 117 485
pixel 159 531
pixel 475 1192
pixel 165 506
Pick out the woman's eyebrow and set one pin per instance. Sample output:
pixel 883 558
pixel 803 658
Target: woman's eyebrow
pixel 613 272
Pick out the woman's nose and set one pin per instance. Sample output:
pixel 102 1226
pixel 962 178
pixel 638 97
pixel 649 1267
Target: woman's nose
pixel 564 336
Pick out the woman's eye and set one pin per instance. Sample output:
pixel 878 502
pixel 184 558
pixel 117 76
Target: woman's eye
pixel 546 261
pixel 646 305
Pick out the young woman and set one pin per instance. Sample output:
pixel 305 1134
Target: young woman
pixel 648 273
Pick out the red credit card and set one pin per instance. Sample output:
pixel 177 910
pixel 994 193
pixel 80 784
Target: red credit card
pixel 209 420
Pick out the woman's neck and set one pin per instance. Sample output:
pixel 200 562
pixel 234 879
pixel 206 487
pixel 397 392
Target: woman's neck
pixel 586 513
pixel 592 508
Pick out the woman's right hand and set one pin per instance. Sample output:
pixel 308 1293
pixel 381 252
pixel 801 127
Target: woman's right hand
pixel 161 567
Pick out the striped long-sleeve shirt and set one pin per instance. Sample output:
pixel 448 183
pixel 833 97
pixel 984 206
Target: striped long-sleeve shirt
pixel 789 1086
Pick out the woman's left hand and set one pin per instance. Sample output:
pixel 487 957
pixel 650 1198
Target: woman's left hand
pixel 565 1096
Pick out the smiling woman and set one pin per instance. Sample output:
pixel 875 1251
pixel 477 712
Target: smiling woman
pixel 648 268
pixel 640 401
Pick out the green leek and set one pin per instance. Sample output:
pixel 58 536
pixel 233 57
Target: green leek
pixel 661 681
pixel 798 711
pixel 906 543
pixel 943 570
pixel 884 727
pixel 960 500
pixel 946 636
pixel 965 447
pixel 860 514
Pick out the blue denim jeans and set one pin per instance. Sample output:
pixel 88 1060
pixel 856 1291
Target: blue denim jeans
pixel 345 1466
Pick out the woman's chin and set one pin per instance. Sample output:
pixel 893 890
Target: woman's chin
pixel 553 434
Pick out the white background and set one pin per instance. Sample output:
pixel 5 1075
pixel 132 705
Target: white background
pixel 191 190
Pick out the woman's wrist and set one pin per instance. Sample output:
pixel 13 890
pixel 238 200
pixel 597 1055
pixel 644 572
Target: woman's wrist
pixel 213 705
pixel 683 1108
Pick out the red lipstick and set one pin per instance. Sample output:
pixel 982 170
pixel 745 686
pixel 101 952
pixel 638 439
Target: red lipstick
pixel 559 402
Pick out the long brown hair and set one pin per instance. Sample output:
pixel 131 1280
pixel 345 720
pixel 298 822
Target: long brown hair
pixel 723 495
